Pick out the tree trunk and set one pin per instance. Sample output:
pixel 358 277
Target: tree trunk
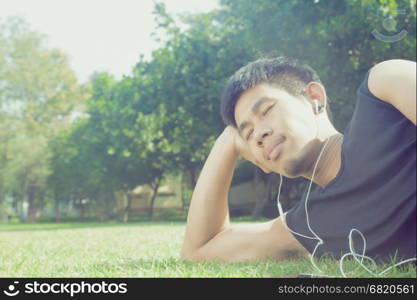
pixel 101 206
pixel 18 201
pixel 32 212
pixel 128 206
pixel 261 194
pixel 3 161
pixel 192 178
pixel 193 173
pixel 264 195
pixel 183 202
pixel 3 213
pixel 57 210
pixel 186 192
pixel 155 188
pixel 272 191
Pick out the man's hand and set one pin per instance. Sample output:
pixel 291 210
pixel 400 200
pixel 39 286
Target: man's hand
pixel 241 147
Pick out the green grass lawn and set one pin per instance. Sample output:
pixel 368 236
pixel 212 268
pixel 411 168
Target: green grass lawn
pixel 145 249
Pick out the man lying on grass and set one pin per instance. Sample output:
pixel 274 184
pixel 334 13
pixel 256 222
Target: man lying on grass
pixel 277 117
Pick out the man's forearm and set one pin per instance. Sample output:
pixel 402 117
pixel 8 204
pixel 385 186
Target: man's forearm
pixel 208 214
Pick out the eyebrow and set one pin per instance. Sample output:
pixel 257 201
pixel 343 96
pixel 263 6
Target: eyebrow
pixel 255 110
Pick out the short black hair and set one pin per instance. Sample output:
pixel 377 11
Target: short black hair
pixel 283 72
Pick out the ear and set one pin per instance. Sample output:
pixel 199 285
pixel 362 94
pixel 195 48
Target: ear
pixel 316 91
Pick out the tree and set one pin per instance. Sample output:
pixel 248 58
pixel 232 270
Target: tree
pixel 164 117
pixel 334 37
pixel 187 76
pixel 38 93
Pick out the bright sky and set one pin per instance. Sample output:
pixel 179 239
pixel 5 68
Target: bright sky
pixel 98 35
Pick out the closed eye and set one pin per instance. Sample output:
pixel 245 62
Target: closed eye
pixel 249 134
pixel 263 114
pixel 267 110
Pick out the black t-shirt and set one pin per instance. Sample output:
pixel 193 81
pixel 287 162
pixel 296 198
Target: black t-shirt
pixel 374 190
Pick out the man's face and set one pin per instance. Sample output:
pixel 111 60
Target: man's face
pixel 278 129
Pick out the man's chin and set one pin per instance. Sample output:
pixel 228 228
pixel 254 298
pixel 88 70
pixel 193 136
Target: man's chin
pixel 290 168
pixel 293 169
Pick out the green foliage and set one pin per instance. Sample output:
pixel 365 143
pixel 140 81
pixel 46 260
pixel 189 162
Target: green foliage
pixel 334 37
pixel 38 94
pixel 164 117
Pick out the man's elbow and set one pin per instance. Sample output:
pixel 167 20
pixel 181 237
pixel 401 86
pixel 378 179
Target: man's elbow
pixel 186 255
pixel 189 255
pixel 199 255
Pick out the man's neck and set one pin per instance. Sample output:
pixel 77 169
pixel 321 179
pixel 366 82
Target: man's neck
pixel 330 160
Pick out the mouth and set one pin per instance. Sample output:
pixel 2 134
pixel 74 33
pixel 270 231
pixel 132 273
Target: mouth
pixel 274 150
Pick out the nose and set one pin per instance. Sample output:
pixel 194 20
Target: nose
pixel 261 135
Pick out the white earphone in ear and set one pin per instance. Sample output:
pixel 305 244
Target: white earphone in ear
pixel 316 106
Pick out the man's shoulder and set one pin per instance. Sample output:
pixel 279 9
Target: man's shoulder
pixel 384 75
